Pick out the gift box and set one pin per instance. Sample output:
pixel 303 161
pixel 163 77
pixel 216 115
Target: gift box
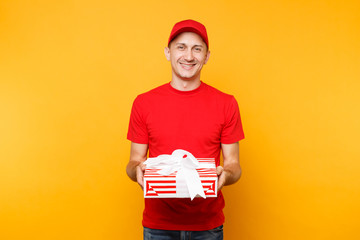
pixel 180 175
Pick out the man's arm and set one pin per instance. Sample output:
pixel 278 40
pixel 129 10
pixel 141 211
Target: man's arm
pixel 231 171
pixel 135 168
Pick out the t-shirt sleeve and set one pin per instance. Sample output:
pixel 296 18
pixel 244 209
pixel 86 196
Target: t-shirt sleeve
pixel 232 131
pixel 137 131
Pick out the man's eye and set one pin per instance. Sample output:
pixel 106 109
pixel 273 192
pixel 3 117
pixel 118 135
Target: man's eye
pixel 181 47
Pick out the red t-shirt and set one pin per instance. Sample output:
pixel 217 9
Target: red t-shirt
pixel 197 121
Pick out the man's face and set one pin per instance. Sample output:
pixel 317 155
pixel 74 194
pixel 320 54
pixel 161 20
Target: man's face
pixel 187 54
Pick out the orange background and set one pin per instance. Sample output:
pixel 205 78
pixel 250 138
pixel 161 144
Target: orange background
pixel 69 71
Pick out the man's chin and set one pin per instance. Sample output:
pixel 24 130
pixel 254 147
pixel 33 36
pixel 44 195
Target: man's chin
pixel 188 78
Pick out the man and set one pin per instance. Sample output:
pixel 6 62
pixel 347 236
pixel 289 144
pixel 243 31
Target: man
pixel 191 115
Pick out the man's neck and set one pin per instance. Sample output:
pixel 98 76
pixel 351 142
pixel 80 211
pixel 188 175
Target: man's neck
pixel 185 85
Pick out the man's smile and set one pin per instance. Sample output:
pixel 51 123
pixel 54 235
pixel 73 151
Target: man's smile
pixel 187 66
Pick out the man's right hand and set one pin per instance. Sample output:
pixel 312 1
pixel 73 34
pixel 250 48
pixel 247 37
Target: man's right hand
pixel 140 169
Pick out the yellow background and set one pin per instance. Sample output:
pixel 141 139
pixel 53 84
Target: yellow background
pixel 69 71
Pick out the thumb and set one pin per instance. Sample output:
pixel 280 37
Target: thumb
pixel 219 170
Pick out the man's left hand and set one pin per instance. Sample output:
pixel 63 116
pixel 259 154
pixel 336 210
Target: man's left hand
pixel 221 177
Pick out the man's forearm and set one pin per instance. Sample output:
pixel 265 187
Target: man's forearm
pixel 131 169
pixel 138 155
pixel 232 173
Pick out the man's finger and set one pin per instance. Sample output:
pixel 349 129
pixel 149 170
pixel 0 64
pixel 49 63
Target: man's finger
pixel 140 175
pixel 220 183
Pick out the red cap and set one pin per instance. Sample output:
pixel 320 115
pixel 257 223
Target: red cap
pixel 189 26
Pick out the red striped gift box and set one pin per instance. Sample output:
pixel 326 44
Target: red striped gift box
pixel 160 186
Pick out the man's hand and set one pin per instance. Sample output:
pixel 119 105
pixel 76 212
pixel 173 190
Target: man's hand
pixel 221 177
pixel 140 169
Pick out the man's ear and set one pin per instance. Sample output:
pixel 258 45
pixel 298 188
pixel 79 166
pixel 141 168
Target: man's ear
pixel 167 53
pixel 207 57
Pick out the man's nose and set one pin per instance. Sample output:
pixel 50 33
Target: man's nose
pixel 189 55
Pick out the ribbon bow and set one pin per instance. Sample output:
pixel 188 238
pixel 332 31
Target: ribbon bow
pixel 185 164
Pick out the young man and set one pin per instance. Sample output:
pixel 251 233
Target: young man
pixel 191 115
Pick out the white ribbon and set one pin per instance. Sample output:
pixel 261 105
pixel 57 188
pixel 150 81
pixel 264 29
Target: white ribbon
pixel 185 164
